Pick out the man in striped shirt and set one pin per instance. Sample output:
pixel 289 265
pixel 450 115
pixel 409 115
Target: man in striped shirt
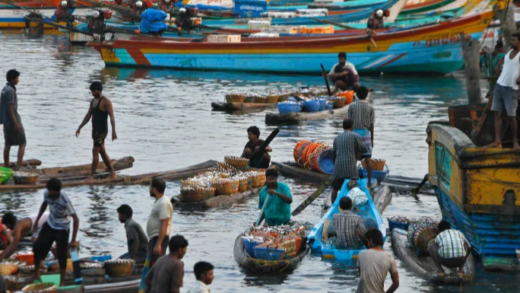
pixel 450 248
pixel 363 118
pixel 346 149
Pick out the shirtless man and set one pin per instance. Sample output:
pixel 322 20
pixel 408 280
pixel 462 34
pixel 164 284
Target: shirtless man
pixel 20 229
pixel 100 108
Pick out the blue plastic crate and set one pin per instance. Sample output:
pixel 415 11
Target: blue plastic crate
pixel 378 175
pixel 250 8
pixel 269 253
pixel 250 245
pixel 393 224
pixel 323 104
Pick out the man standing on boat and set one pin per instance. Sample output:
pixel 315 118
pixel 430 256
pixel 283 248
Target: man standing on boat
pixel 374 264
pixel 504 97
pixel 347 148
pixel 253 145
pixel 450 248
pixel 363 118
pixel 343 74
pixel 100 108
pixel 275 200
pixel 14 133
pixel 159 224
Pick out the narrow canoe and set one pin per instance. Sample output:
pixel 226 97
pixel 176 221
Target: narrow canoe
pixel 246 262
pixel 424 267
pixel 395 182
pixel 329 251
pixel 220 201
pixel 126 180
pixel 240 106
pixel 295 118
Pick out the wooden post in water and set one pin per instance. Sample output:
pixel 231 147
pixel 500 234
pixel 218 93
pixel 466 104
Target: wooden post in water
pixel 471 53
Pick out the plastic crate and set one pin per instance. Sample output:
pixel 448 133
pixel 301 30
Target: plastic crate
pixel 250 8
pixel 312 105
pixel 269 253
pixel 250 245
pixel 378 175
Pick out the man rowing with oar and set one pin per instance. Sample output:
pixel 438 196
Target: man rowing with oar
pixel 275 200
pixel 100 108
pixel 262 160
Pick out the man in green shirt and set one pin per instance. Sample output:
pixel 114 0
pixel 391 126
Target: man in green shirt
pixel 277 197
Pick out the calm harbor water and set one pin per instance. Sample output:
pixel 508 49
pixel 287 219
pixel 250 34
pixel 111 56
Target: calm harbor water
pixel 165 122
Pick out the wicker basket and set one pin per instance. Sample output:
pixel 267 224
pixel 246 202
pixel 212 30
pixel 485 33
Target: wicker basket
pixel 422 240
pixel 243 184
pixel 188 183
pixel 235 98
pixel 260 100
pixel 226 166
pixel 25 178
pixel 56 268
pixel 15 283
pixel 283 98
pixel 259 180
pixel 119 267
pixel 29 269
pixel 272 99
pixel 7 268
pixel 225 186
pixel 338 102
pixel 40 288
pixel 236 161
pixel 195 194
pixel 376 164
pixel 249 99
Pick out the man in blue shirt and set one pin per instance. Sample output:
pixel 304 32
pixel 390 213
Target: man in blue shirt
pixel 56 229
pixel 277 197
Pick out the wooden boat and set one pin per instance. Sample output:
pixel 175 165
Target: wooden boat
pixel 295 118
pixel 329 251
pixel 424 267
pixel 215 202
pixel 230 107
pixel 250 264
pixel 121 179
pixel 395 182
pixel 477 190
pixel 411 50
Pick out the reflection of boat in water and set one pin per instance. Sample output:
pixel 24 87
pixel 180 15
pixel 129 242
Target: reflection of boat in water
pixel 477 188
pixel 365 210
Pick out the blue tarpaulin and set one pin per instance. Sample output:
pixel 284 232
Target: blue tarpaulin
pixel 152 20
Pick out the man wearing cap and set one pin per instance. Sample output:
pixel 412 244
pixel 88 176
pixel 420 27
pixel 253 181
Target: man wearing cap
pixel 275 200
pixel 64 11
pixel 14 133
pixel 376 21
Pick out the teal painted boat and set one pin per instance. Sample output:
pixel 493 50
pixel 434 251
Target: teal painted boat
pixel 367 210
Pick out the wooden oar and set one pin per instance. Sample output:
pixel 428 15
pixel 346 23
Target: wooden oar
pixel 311 198
pixel 261 216
pixel 416 190
pixel 324 73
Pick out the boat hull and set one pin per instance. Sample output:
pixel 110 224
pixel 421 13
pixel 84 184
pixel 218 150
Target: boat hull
pixel 253 265
pixel 434 49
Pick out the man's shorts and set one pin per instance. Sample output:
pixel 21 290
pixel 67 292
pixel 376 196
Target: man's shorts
pixel 504 98
pixel 12 137
pixel 99 139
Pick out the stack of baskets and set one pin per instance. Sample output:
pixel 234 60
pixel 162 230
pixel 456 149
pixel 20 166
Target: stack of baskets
pixel 225 186
pixel 119 267
pixel 25 178
pixel 236 162
pixel 376 164
pixel 197 193
pixel 314 155
pixel 8 268
pixel 235 98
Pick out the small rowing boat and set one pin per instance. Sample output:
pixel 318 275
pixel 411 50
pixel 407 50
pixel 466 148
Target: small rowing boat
pixel 230 107
pixel 424 267
pixel 366 210
pixel 251 264
pixel 220 201
pixel 295 118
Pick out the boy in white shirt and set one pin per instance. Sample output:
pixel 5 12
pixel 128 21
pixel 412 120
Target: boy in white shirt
pixel 204 275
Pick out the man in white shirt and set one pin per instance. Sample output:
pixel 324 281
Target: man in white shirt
pixel 159 224
pixel 204 275
pixel 343 74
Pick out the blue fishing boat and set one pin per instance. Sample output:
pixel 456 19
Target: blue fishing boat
pixel 365 210
pixel 477 188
